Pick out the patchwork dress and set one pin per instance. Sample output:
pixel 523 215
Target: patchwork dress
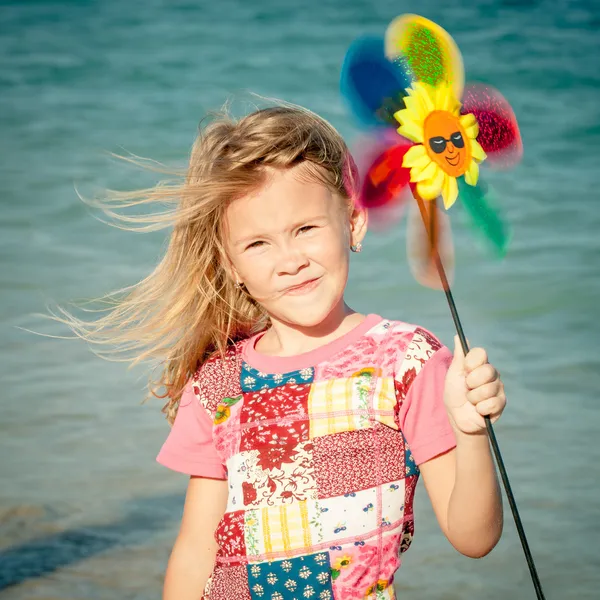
pixel 321 454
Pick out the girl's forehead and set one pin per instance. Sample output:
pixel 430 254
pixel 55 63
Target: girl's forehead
pixel 284 200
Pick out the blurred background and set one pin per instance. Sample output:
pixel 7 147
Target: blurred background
pixel 85 512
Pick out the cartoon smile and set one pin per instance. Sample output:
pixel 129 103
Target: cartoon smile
pixel 453 160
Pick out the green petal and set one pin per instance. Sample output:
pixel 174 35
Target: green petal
pixel 484 216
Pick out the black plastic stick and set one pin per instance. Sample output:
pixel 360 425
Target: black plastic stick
pixel 429 224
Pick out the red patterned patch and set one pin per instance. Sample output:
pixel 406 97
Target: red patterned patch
pixel 218 378
pixel 288 401
pixel 429 338
pixel 230 534
pixel 403 386
pixel 356 460
pixel 273 476
pixel 272 441
pixel 408 533
pixel 228 582
pixel 410 485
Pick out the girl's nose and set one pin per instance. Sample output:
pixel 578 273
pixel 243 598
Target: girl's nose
pixel 291 261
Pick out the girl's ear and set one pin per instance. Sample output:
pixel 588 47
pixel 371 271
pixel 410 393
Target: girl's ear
pixel 232 272
pixel 229 268
pixel 359 221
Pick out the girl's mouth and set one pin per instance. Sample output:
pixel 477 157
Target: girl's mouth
pixel 303 288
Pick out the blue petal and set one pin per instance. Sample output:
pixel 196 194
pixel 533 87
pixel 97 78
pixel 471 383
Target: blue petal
pixel 373 85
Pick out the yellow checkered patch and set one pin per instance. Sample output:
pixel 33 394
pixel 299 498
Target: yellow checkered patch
pixel 281 529
pixel 344 404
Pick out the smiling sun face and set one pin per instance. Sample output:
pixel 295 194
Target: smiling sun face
pixel 444 141
pixel 446 145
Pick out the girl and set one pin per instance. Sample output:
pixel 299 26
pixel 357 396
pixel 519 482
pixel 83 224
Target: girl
pixel 302 424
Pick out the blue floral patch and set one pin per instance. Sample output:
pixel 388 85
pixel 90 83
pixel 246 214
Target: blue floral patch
pixel 253 380
pixel 299 577
pixel 411 465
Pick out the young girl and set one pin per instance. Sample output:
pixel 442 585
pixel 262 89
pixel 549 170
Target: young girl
pixel 302 424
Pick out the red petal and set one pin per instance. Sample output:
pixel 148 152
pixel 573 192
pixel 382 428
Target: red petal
pixel 499 133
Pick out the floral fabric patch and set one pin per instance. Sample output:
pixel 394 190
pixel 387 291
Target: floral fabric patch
pixel 218 379
pixel 300 577
pixel 228 582
pixel 253 379
pixel 355 569
pixel 273 441
pixel 287 402
pixel 229 534
pixel 274 475
pixel 352 460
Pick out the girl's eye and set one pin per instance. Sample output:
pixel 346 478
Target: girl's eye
pixel 254 245
pixel 306 228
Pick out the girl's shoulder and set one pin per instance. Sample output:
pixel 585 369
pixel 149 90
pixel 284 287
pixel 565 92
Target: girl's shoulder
pixel 218 376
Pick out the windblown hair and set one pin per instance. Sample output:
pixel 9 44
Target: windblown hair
pixel 189 307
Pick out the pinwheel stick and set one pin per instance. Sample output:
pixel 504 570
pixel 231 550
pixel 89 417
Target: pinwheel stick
pixel 428 217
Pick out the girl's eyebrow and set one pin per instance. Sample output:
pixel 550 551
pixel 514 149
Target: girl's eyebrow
pixel 305 221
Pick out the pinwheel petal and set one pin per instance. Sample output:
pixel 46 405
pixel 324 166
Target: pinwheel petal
pixel 383 176
pixel 372 85
pixel 428 234
pixel 499 134
pixel 485 217
pixel 430 51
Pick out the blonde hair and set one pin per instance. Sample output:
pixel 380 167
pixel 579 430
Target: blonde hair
pixel 189 307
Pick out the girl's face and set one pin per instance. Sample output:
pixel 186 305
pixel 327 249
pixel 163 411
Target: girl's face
pixel 289 245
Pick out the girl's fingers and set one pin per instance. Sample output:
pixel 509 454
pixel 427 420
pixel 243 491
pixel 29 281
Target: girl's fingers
pixel 481 375
pixel 475 358
pixel 484 392
pixel 491 407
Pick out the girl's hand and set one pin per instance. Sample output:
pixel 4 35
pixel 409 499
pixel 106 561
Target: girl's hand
pixel 473 389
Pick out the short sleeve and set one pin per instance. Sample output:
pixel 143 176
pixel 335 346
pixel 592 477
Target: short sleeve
pixel 423 417
pixel 189 447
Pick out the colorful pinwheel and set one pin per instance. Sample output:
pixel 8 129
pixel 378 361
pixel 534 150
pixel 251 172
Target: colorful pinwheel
pixel 429 132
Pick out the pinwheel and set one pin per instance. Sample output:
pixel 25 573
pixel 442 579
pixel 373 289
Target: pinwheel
pixel 428 133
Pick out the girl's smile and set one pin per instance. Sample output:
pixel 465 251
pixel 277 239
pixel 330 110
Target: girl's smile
pixel 303 288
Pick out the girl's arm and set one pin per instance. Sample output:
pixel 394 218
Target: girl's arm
pixel 465 495
pixel 462 483
pixel 193 556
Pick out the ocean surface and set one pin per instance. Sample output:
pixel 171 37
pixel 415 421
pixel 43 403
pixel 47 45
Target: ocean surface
pixel 85 512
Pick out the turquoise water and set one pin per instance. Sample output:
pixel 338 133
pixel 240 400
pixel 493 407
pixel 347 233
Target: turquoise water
pixel 84 510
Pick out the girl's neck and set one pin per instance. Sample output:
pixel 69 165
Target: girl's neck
pixel 282 339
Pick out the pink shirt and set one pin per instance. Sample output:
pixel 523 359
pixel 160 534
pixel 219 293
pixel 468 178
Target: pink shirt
pixel 321 453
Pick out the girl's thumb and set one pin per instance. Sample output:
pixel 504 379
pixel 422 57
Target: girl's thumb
pixel 458 360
